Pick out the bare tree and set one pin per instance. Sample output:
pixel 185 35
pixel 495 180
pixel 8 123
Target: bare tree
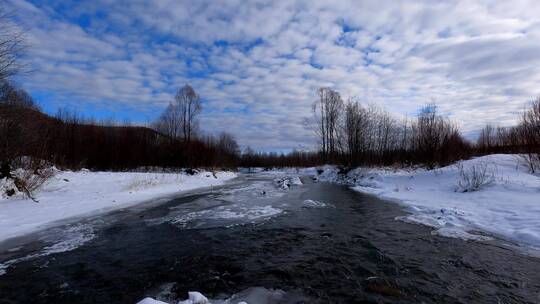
pixel 353 129
pixel 431 132
pixel 486 139
pixel 358 128
pixel 13 127
pixel 169 122
pixel 372 134
pixel 353 134
pixel 14 96
pixel 530 134
pixel 227 144
pixel 12 44
pixel 179 120
pixel 327 110
pixel 189 106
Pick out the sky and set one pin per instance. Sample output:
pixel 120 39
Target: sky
pixel 257 64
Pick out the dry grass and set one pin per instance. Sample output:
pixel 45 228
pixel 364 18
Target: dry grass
pixel 475 177
pixel 29 176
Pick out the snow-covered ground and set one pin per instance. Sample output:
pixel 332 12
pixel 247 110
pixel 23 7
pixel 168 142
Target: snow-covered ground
pixel 70 194
pixel 507 207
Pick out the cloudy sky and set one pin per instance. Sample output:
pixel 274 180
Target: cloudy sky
pixel 257 64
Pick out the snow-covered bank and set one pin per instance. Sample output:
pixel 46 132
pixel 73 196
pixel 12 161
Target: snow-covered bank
pixel 508 206
pixel 70 194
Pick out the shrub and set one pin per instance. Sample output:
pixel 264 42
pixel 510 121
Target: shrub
pixel 532 161
pixel 530 134
pixel 145 182
pixel 30 176
pixel 474 177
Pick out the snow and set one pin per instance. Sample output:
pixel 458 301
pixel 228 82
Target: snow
pixel 285 182
pixel 195 298
pixel 314 204
pixel 229 212
pixel 150 301
pixel 252 295
pixel 72 194
pixel 508 207
pixel 63 239
pixel 243 204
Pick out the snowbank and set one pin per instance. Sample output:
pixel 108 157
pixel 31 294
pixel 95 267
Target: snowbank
pixel 508 207
pixel 150 301
pixel 286 182
pixel 70 194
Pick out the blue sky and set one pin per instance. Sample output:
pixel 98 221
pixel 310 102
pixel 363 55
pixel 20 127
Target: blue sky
pixel 257 64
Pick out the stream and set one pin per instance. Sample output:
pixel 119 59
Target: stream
pixel 253 241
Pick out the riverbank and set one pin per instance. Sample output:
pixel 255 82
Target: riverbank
pixel 349 250
pixel 70 194
pixel 506 205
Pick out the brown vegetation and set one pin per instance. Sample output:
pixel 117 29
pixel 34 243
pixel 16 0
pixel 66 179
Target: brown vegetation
pixel 72 142
pixel 353 134
pixel 523 138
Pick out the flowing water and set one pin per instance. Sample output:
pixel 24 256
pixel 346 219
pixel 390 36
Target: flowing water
pixel 250 240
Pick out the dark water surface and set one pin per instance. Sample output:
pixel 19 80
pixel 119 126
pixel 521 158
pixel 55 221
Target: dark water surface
pixel 226 240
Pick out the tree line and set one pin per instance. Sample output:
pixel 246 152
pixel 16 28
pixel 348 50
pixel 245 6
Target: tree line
pixel 524 138
pixel 250 158
pixel 350 134
pixel 354 134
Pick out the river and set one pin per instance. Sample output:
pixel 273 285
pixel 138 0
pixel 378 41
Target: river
pixel 315 243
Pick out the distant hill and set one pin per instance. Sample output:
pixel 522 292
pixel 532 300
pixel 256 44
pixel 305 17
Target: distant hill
pixel 28 132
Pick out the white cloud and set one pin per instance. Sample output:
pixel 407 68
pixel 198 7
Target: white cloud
pixel 257 64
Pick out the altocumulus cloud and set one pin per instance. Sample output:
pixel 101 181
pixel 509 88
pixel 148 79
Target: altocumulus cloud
pixel 257 64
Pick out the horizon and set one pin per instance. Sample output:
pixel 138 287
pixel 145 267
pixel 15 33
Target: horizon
pixel 257 66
